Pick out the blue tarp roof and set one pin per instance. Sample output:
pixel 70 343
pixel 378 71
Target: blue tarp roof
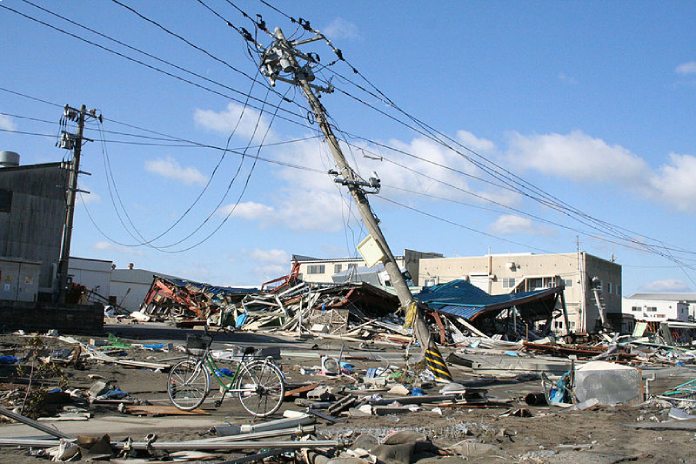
pixel 215 290
pixel 461 298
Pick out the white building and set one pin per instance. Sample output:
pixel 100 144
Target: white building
pixel 129 286
pixel 661 306
pixel 93 274
pixel 321 270
pixel 123 287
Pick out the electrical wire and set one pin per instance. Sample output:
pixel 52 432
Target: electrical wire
pixel 428 131
pixel 300 121
pixel 203 190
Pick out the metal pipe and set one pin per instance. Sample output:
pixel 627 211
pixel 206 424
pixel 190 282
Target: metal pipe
pixel 32 423
pixel 278 424
pixel 187 446
pixel 258 456
pixel 252 436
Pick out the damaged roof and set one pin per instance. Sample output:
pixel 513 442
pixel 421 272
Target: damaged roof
pixel 461 298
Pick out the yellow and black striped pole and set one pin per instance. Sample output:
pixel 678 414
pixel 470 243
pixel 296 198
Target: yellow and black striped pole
pixel 436 364
pixel 433 358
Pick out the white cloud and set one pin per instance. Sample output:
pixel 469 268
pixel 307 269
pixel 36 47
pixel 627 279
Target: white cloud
pixel 509 224
pixel 89 198
pixel 675 184
pixel 248 210
pixel 244 122
pixel 475 143
pixel 666 285
pixel 170 168
pixel 270 263
pixel 339 28
pixel 318 204
pixel 576 156
pixel 7 123
pixel 686 68
pixel 270 256
pixel 579 157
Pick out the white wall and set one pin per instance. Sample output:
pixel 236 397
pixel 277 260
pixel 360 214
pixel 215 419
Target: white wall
pixel 655 310
pixel 94 274
pixel 129 286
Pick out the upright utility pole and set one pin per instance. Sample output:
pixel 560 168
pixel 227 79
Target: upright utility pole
pixel 74 142
pixel 282 57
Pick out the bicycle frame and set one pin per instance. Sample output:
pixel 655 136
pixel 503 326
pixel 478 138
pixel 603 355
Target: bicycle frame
pixel 208 362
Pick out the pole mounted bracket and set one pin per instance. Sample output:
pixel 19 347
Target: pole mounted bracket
pixel 372 185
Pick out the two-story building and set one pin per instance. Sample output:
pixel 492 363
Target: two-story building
pixel 592 284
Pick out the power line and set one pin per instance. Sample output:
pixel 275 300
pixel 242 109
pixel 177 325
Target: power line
pixel 193 45
pixel 196 145
pixel 155 68
pixel 497 171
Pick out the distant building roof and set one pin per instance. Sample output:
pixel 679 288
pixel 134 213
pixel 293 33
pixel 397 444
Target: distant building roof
pixel 690 296
pixel 26 167
pixel 309 259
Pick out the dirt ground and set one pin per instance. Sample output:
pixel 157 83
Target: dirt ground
pixel 600 434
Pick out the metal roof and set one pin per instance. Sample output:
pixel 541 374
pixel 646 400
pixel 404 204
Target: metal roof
pixel 461 298
pixel 687 296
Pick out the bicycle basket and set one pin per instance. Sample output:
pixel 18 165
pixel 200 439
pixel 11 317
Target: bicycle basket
pixel 196 344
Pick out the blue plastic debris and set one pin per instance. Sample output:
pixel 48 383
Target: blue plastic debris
pixel 559 392
pixel 154 346
pixel 114 394
pixel 8 359
pixel 223 371
pixel 347 368
pixel 417 392
pixel 241 319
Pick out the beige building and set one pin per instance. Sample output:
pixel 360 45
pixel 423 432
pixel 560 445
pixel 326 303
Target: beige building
pixel 581 273
pixel 322 270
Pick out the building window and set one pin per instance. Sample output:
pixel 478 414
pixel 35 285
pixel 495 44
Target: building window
pixel 508 282
pixel 338 268
pixel 316 269
pixel 635 309
pixel 5 201
pixel 536 283
pixel 651 309
pixel 610 287
pixel 568 282
pixel 352 266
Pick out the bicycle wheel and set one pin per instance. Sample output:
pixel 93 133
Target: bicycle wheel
pixel 261 388
pixel 188 384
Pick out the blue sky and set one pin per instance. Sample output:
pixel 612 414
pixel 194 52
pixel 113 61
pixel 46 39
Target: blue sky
pixel 592 103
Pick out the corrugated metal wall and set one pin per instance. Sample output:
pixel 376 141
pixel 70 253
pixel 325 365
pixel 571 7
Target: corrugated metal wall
pixel 32 229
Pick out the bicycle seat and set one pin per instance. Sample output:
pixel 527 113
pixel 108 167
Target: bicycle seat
pixel 249 350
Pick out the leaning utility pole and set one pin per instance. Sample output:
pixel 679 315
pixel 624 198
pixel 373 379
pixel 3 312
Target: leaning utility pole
pixel 71 142
pixel 282 56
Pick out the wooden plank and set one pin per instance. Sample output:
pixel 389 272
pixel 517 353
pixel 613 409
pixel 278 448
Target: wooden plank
pixel 165 410
pixel 299 390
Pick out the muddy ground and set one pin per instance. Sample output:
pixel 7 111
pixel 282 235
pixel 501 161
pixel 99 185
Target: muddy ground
pixel 600 434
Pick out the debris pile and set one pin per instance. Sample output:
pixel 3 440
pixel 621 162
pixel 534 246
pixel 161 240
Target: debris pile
pixel 186 302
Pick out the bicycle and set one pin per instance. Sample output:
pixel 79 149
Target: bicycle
pixel 259 384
